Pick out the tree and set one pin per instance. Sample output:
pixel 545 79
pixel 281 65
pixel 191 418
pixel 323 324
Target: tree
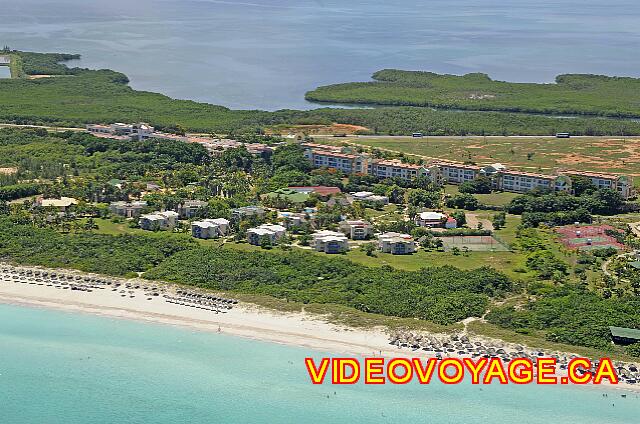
pixel 460 217
pixel 582 185
pixel 499 220
pixel 423 198
pixel 368 248
pixel 480 185
pixel 463 201
pixel 265 242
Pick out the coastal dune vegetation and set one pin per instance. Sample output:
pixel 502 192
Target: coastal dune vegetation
pixel 76 96
pixel 575 94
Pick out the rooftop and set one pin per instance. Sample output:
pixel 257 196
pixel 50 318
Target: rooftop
pixel 627 333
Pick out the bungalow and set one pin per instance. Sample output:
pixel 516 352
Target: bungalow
pixel 158 220
pixel 329 242
pixel 273 231
pixel 356 230
pixel 431 219
pixel 396 243
pixel 127 209
pixel 210 228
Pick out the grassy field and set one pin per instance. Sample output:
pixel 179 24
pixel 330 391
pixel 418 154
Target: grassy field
pixel 572 93
pixel 543 154
pixel 497 198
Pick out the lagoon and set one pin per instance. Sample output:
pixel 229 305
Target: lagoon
pixel 267 53
pixel 59 367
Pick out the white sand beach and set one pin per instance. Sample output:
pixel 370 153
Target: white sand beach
pixel 243 320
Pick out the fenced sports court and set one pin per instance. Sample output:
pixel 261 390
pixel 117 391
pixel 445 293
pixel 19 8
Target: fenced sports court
pixel 588 237
pixel 474 243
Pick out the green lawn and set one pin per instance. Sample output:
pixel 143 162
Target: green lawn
pixel 492 199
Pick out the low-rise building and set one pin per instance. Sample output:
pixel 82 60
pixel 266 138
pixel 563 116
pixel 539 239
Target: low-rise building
pixel 322 191
pixel 397 169
pixel 189 208
pixel 245 212
pixel 369 197
pixel 158 221
pixel 127 209
pixel 139 131
pixel 457 172
pixel 396 243
pixel 210 228
pixel 292 219
pixel 356 229
pixel 620 183
pixel 431 219
pixel 522 182
pixel 63 204
pixel 273 231
pixel 329 242
pixel 451 223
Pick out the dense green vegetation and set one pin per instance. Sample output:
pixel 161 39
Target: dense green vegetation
pixel 442 295
pixel 558 208
pixel 571 94
pixel 570 314
pixel 87 96
pixel 112 255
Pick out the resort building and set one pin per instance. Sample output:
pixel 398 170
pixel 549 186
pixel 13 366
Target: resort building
pixel 451 223
pixel 431 219
pixel 62 204
pixel 246 212
pixel 272 231
pixel 345 162
pixel 356 230
pixel 293 219
pixel 329 242
pixel 521 182
pixel 127 209
pixel 139 131
pixel 158 221
pixel 457 172
pixel 368 197
pixel 189 208
pixel 404 171
pixel 620 183
pixel 396 243
pixel 210 228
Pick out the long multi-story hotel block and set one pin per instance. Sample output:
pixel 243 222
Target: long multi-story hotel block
pixel 356 163
pixel 441 171
pixel 620 183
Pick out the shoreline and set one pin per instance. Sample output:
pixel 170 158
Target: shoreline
pixel 248 321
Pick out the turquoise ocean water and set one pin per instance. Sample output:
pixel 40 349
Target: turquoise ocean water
pixel 58 367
